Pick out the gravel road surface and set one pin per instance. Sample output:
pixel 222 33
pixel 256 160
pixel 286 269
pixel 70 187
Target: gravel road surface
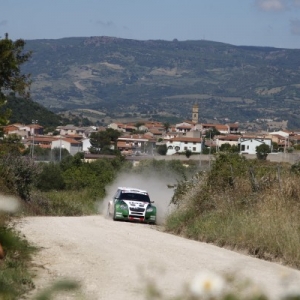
pixel 113 260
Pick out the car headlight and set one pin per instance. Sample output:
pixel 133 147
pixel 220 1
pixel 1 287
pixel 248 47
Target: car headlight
pixel 123 206
pixel 150 209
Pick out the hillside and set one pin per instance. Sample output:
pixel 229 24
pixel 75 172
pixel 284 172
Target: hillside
pixel 159 79
pixel 25 111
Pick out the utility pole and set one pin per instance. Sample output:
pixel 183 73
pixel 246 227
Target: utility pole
pixel 60 149
pixel 32 150
pixel 209 147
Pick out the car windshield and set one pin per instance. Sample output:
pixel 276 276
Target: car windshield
pixel 135 197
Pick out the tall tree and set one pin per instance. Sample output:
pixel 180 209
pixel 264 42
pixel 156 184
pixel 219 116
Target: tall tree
pixel 12 56
pixel 101 139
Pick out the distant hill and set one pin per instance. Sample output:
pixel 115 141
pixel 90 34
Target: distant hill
pixel 25 111
pixel 163 79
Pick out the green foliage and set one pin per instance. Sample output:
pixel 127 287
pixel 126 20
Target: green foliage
pixel 188 153
pixel 25 110
pixel 15 278
pixel 162 149
pixel 225 168
pixel 72 187
pixel 11 144
pixel 102 140
pixel 209 134
pixel 19 174
pixel 295 168
pixel 58 154
pixel 226 147
pixel 262 151
pixel 167 126
pixel 209 150
pixel 213 72
pixel 58 287
pixel 274 147
pixel 50 178
pixel 242 203
pixel 12 56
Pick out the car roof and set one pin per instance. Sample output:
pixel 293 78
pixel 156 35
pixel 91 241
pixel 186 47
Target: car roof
pixel 132 190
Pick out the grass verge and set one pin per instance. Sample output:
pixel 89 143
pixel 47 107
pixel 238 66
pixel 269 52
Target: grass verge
pixel 257 211
pixel 15 278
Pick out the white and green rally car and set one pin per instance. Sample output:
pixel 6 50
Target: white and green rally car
pixel 132 204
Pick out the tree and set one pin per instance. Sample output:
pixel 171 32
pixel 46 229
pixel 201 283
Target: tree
pixel 211 133
pixel 275 147
pixel 162 149
pixel 188 153
pixel 103 139
pixel 12 56
pixel 262 151
pixel 166 126
pixel 11 144
pixel 226 147
pixel 50 178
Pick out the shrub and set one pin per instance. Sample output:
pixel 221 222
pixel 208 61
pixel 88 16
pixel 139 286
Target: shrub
pixel 162 149
pixel 50 178
pixel 19 174
pixel 262 151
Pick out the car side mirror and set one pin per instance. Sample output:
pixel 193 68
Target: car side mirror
pixel 152 201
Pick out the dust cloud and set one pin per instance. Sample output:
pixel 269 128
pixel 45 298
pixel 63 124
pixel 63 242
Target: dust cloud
pixel 155 185
pixel 8 204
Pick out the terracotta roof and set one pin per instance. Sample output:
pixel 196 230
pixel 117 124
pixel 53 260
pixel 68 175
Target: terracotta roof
pixel 221 127
pixel 122 144
pixel 229 137
pixel 186 139
pixel 133 137
pixel 71 141
pixel 155 131
pixel 42 139
pixel 185 126
pixel 36 126
pixel 235 125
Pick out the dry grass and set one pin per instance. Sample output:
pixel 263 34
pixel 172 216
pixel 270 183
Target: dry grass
pixel 262 218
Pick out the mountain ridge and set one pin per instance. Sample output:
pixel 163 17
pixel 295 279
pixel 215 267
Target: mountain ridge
pixel 162 79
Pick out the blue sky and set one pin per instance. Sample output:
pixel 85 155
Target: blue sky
pixel 274 23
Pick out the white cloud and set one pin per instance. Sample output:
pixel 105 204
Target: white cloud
pixel 272 5
pixel 295 26
pixel 277 5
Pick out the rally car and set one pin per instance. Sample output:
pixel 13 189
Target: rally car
pixel 132 204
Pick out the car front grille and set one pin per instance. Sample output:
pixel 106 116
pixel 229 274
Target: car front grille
pixel 137 209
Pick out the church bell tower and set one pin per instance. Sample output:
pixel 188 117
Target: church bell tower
pixel 195 116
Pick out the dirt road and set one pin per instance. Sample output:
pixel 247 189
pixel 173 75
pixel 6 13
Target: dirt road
pixel 111 259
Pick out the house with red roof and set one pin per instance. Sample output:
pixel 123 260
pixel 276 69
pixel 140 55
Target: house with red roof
pixel 181 144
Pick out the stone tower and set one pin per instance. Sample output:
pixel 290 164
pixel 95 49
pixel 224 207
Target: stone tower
pixel 195 116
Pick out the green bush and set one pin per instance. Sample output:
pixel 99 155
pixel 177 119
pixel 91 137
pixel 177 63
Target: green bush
pixel 19 174
pixel 162 149
pixel 262 151
pixel 50 178
pixel 15 279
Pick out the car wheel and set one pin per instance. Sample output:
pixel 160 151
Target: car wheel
pixel 114 216
pixel 108 211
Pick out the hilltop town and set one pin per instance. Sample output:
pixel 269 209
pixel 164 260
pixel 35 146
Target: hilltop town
pixel 143 138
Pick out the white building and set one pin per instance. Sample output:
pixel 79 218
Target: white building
pixel 86 144
pixel 181 144
pixel 71 145
pixel 248 144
